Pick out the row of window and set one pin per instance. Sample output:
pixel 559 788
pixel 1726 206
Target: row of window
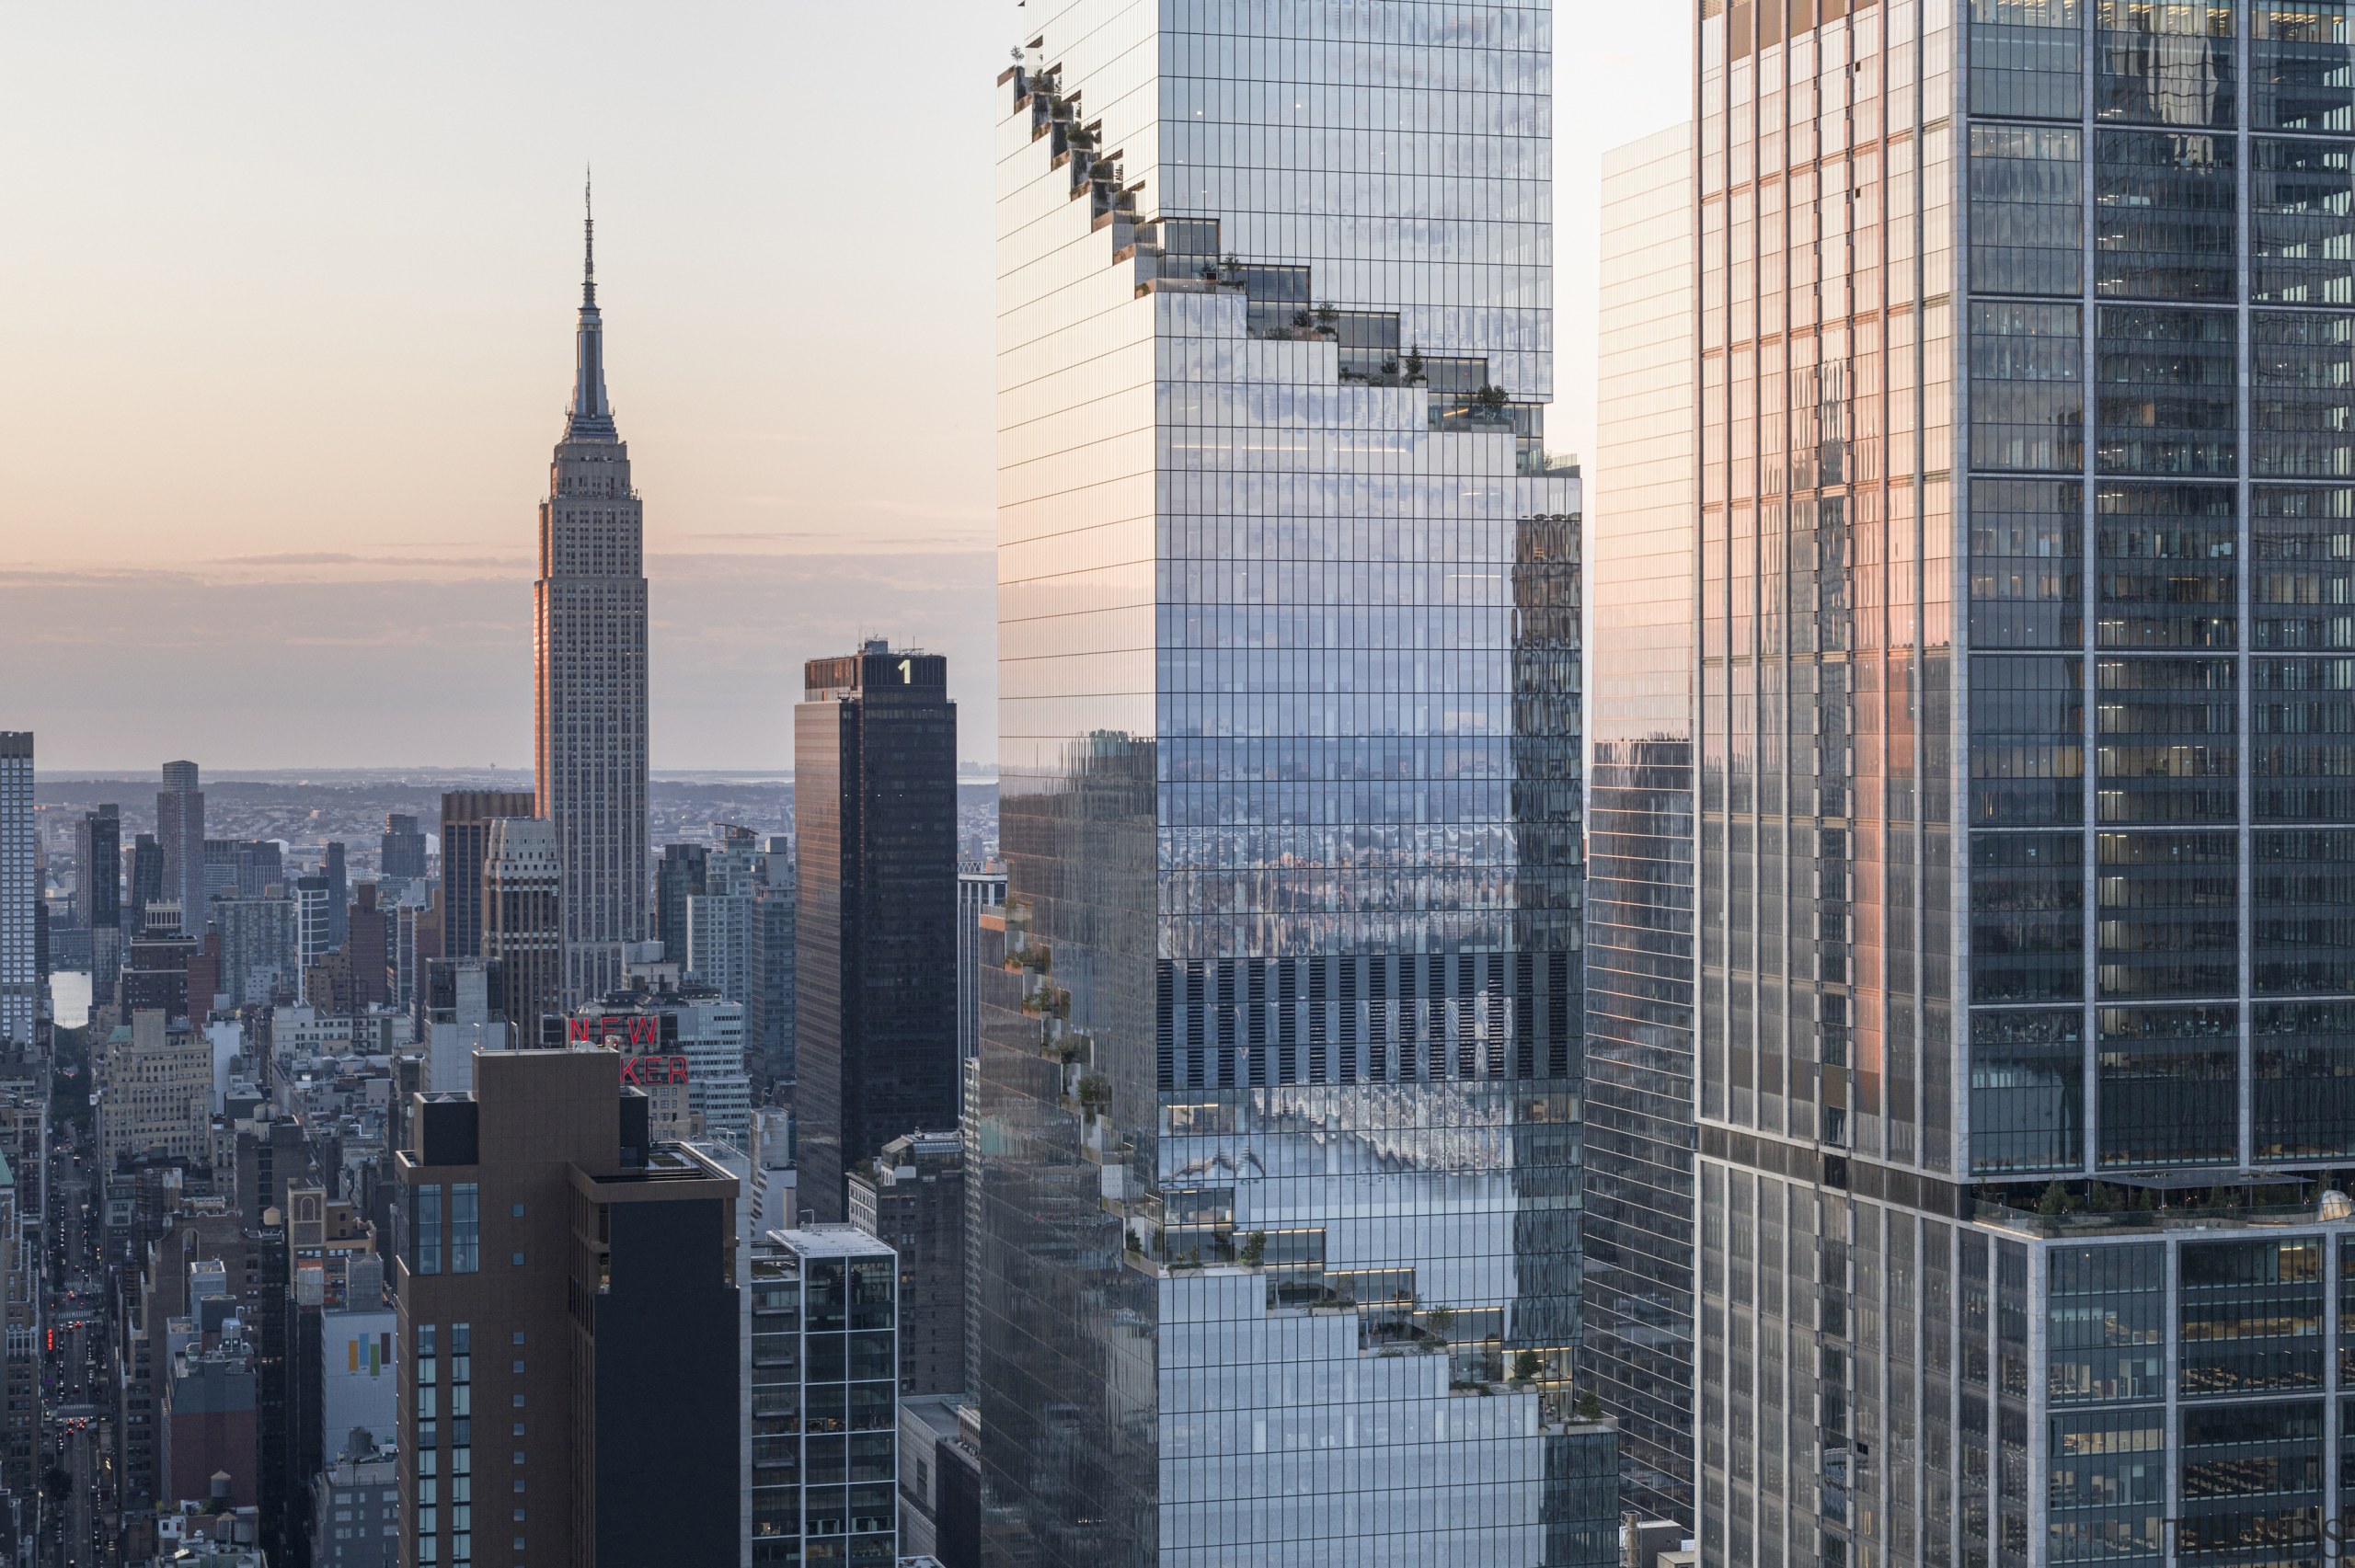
pixel 2165 216
pixel 428 1246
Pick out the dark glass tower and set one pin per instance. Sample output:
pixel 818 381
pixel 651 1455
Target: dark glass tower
pixel 146 880
pixel 875 821
pixel 97 866
pixel 678 876
pixel 401 851
pixel 467 818
pixel 331 866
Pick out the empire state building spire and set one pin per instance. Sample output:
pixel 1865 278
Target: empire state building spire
pixel 589 676
pixel 591 417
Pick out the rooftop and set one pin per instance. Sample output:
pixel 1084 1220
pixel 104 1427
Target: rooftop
pixel 830 1242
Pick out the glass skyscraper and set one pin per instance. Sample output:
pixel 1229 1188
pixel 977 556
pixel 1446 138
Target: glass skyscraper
pixel 1277 1111
pixel 2023 554
pixel 1637 1290
pixel 875 923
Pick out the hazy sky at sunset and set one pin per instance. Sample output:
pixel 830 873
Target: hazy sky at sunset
pixel 286 338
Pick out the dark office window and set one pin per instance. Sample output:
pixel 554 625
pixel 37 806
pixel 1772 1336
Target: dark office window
pixel 2027 395
pixel 2303 1099
pixel 2168 920
pixel 2027 58
pixel 2169 399
pixel 2252 1320
pixel 2304 911
pixel 2301 394
pixel 2166 216
pixel 2107 1324
pixel 2302 755
pixel 2166 63
pixel 2165 574
pixel 2028 1090
pixel 2027 917
pixel 2298 66
pixel 2165 747
pixel 2302 233
pixel 2168 1093
pixel 2027 755
pixel 2027 562
pixel 2302 539
pixel 2028 209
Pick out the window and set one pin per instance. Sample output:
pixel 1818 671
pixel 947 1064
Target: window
pixel 2252 1321
pixel 2305 1091
pixel 2166 1085
pixel 2026 904
pixel 2167 204
pixel 2026 210
pixel 2026 58
pixel 2028 397
pixel 2302 396
pixel 2027 1089
pixel 2027 742
pixel 425 1229
pixel 466 1227
pixel 2302 754
pixel 2166 63
pixel 2168 397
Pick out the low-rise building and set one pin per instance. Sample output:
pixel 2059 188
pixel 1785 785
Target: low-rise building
pixel 356 1507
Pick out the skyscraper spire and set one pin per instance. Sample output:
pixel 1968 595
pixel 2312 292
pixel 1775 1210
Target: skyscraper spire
pixel 592 416
pixel 589 669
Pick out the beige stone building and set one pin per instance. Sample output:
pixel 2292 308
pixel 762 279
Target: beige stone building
pixel 156 1091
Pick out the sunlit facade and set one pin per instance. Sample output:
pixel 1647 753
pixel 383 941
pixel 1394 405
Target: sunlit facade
pixel 1278 1117
pixel 1636 1288
pixel 2025 718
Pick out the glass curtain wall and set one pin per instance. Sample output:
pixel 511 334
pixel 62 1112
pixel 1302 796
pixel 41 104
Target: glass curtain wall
pixel 1636 1288
pixel 2129 959
pixel 1279 1106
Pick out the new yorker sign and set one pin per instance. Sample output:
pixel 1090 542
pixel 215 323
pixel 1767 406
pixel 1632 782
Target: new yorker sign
pixel 634 1028
pixel 650 1072
pixel 640 1039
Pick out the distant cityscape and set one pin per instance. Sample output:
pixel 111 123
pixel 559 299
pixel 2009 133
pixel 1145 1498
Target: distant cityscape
pixel 307 812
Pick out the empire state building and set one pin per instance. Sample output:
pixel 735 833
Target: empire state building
pixel 589 669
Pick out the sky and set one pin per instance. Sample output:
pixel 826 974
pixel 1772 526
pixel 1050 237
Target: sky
pixel 287 339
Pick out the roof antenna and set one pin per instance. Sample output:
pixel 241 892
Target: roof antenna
pixel 589 231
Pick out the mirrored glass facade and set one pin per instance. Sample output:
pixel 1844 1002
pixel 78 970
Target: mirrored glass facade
pixel 1636 1289
pixel 2027 483
pixel 1277 1111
